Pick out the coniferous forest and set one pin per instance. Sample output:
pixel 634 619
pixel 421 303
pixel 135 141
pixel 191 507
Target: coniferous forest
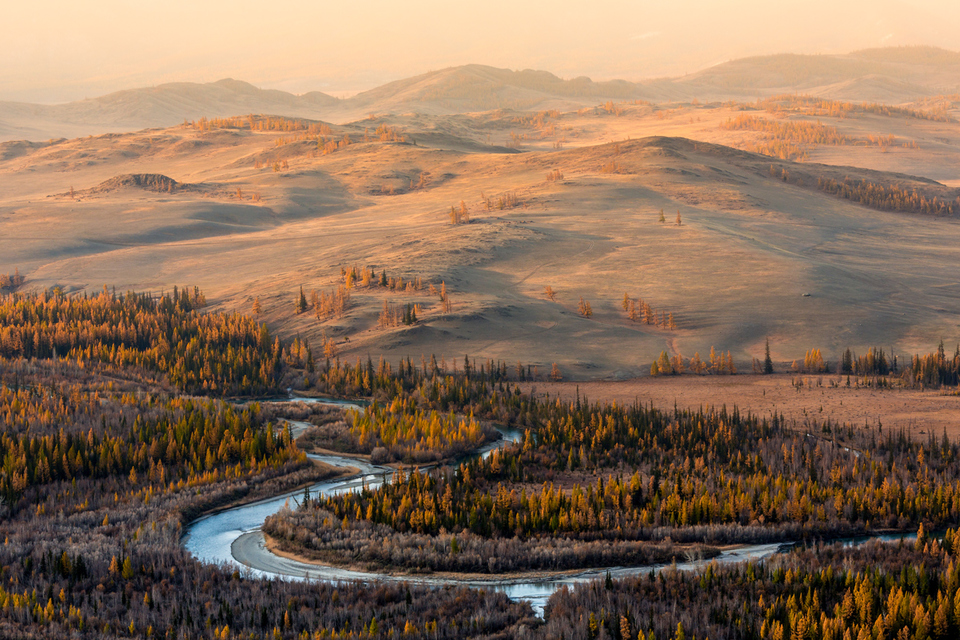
pixel 125 417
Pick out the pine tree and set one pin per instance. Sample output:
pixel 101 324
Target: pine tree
pixel 662 217
pixel 301 302
pixel 678 218
pixel 257 309
pixel 767 361
pixel 847 362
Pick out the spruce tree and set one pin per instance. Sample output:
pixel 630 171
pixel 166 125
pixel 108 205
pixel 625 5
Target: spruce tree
pixel 301 302
pixel 767 362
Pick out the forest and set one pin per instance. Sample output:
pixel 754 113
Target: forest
pixel 209 353
pixel 104 462
pixel 117 431
pixel 898 591
pixel 639 474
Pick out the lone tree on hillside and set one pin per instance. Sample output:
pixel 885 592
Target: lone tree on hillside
pixel 583 307
pixel 678 218
pixel 662 217
pixel 767 362
pixel 257 309
pixel 301 301
pixel 555 374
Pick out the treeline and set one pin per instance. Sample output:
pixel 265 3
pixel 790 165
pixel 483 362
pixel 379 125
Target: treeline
pixel 879 590
pixel 786 140
pixel 808 105
pixel 262 123
pixel 888 197
pixel 213 353
pixel 883 197
pixel 796 132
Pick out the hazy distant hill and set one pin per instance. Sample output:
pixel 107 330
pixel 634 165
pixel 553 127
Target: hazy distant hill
pixel 161 106
pixel 892 75
pixel 480 88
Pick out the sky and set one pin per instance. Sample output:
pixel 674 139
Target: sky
pixel 63 50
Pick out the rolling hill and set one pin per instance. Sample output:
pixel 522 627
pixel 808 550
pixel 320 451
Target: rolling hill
pixel 894 76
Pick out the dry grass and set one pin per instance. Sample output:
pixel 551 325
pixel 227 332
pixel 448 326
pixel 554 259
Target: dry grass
pixel 733 274
pixel 814 400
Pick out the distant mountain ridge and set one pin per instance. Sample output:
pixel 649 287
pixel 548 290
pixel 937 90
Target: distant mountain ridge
pixel 892 75
pixel 161 106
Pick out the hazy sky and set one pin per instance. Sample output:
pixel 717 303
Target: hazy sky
pixel 60 50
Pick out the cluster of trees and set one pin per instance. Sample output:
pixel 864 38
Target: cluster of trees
pixel 367 277
pixel 873 363
pixel 810 106
pixel 400 432
pixel 10 283
pixel 823 592
pixel 277 165
pixel 319 534
pixel 813 362
pixel 480 388
pixel 334 304
pixel 888 197
pixel 386 133
pixel 211 353
pixel 640 311
pixel 263 123
pixel 934 369
pixel 612 166
pixel 330 146
pixel 537 120
pixel 393 315
pixel 555 176
pixel 791 131
pixel 782 149
pixel 612 109
pixel 460 215
pixel 786 140
pixel 663 218
pixel 718 364
pixel 543 121
pixel 584 308
pixel 508 200
pixel 327 305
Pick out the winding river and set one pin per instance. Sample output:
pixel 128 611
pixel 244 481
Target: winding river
pixel 232 537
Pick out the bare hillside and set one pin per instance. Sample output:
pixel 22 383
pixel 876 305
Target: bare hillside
pixel 805 253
